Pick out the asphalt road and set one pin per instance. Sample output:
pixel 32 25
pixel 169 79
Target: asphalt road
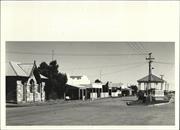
pixel 109 111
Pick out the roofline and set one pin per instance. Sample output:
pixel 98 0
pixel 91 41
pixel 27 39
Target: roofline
pixel 151 81
pixel 17 76
pixel 22 69
pixel 13 68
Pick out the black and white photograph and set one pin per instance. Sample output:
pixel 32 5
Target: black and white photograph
pixel 90 83
pixel 90 65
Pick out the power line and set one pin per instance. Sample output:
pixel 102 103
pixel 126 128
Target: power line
pixel 121 70
pixel 146 50
pixel 125 69
pixel 137 48
pixel 162 62
pixel 132 46
pixel 28 53
pixel 78 54
pixel 105 66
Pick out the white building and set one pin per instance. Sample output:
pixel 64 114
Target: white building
pixel 94 90
pixel 78 80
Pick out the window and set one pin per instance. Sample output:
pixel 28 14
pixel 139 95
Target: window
pixel 31 85
pixel 31 88
pixel 39 88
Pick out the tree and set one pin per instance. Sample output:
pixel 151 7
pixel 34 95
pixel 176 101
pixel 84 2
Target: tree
pixel 62 80
pixel 37 74
pixel 53 69
pixel 134 88
pixel 97 81
pixel 44 69
pixel 55 86
pixel 105 87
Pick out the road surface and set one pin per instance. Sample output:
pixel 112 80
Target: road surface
pixel 109 111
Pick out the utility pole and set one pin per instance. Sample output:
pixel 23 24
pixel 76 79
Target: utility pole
pixel 162 76
pixel 52 55
pixel 100 74
pixel 162 82
pixel 150 59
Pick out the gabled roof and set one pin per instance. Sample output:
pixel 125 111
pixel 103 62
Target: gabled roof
pixel 17 69
pixel 27 67
pixel 20 69
pixel 154 79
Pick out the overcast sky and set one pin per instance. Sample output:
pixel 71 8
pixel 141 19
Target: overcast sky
pixel 114 61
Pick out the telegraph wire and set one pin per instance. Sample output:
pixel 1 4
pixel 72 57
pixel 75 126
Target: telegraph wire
pixel 137 48
pixel 146 50
pixel 162 62
pixel 125 69
pixel 121 70
pixel 101 67
pixel 132 47
pixel 78 54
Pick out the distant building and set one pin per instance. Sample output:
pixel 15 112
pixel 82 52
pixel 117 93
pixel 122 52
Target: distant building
pixel 77 80
pixel 152 80
pixel 76 86
pixel 115 89
pixel 152 85
pixel 24 83
pixel 80 87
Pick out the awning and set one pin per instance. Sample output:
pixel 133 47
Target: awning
pixel 85 86
pixel 78 86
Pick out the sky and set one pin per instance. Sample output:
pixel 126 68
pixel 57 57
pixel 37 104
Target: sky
pixel 123 62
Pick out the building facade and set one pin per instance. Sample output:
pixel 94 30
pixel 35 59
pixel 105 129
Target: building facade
pixel 23 83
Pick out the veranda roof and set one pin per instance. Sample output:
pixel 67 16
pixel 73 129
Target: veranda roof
pixel 153 79
pixel 78 86
pixel 84 86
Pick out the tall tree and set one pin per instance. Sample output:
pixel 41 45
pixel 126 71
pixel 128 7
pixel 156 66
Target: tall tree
pixel 44 69
pixel 53 69
pixel 56 81
pixel 62 80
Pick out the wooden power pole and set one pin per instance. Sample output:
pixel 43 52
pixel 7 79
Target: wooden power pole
pixel 150 59
pixel 162 83
pixel 100 75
